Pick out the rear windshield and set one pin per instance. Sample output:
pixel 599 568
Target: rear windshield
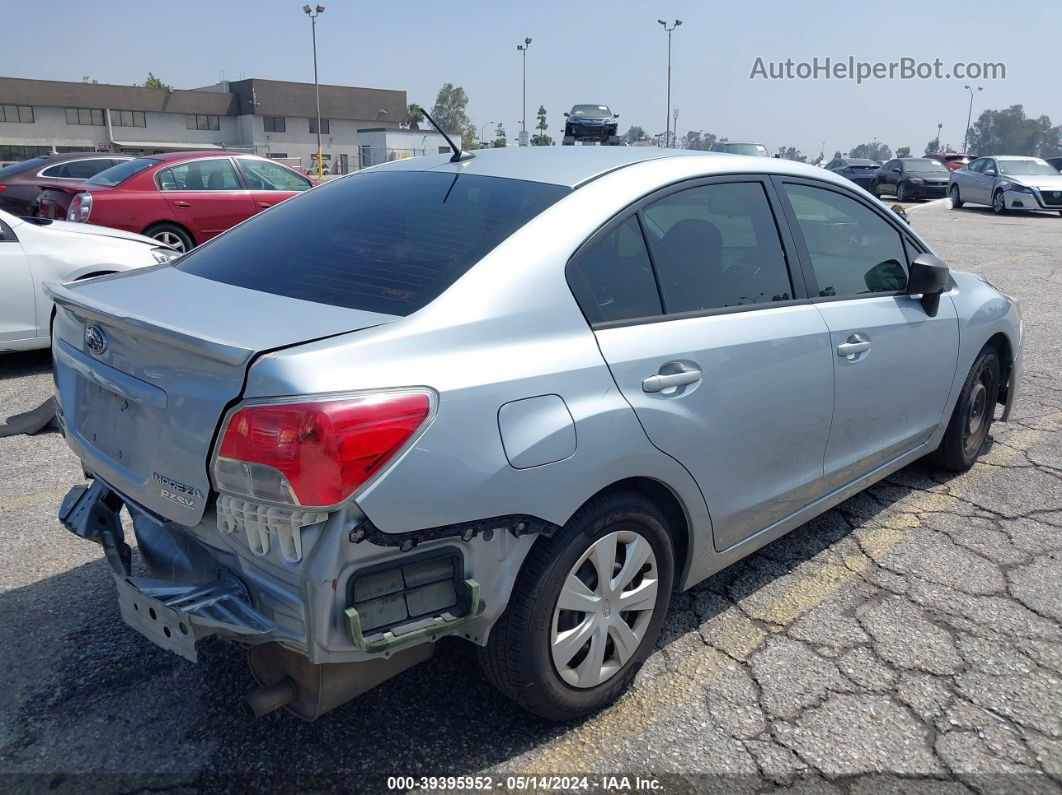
pixel 15 168
pixel 922 164
pixel 121 172
pixel 745 149
pixel 388 242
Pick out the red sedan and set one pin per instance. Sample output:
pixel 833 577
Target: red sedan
pixel 184 198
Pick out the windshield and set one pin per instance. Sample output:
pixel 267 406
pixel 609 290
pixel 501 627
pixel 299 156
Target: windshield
pixel 746 149
pixel 388 242
pixel 15 168
pixel 923 165
pixel 862 164
pixel 1027 168
pixel 120 173
pixel 591 110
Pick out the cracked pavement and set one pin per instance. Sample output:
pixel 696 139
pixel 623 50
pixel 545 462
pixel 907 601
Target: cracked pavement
pixel 908 640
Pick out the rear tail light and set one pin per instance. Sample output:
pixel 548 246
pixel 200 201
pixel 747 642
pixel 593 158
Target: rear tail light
pixel 3 188
pixel 80 208
pixel 316 453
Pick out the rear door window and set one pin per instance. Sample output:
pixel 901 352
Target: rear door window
pixel 263 175
pixel 388 242
pixel 614 279
pixel 200 175
pixel 717 246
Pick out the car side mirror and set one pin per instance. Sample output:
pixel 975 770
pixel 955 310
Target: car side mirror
pixel 900 211
pixel 990 172
pixel 566 114
pixel 928 278
pixel 615 115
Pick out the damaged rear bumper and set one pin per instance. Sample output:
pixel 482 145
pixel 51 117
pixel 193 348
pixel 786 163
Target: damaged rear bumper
pixel 175 615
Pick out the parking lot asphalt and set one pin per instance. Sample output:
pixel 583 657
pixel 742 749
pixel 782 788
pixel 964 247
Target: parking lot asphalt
pixel 908 640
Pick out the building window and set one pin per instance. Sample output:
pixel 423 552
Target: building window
pixel 20 153
pixel 198 121
pixel 16 114
pixel 128 118
pixel 275 124
pixel 89 116
pixel 278 155
pixel 325 130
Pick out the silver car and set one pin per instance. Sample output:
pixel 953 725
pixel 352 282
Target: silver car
pixel 34 251
pixel 517 399
pixel 1007 183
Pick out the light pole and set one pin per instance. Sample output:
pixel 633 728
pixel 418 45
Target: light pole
pixel 313 13
pixel 483 127
pixel 523 116
pixel 667 118
pixel 939 125
pixel 969 116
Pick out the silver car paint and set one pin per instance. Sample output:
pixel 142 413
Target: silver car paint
pixel 506 331
pixel 979 188
pixel 57 251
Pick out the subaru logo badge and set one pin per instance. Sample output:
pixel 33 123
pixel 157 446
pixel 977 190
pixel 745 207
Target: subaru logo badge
pixel 95 340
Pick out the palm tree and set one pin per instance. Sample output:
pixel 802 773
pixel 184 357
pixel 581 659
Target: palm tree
pixel 414 115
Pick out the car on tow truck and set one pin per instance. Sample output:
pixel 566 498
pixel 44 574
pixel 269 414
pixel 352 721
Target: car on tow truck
pixel 591 124
pixel 515 398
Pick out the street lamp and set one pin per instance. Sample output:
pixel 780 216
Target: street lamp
pixel 313 13
pixel 667 118
pixel 523 123
pixel 969 116
pixel 483 127
pixel 939 125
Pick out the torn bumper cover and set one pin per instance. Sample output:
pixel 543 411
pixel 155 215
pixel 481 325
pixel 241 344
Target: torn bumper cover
pixel 173 615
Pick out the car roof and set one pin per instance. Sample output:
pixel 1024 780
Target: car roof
pixel 191 154
pixel 573 166
pixel 1014 157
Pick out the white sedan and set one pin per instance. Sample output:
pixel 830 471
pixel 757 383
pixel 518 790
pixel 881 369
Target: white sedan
pixel 35 250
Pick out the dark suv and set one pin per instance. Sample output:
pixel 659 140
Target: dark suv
pixel 591 123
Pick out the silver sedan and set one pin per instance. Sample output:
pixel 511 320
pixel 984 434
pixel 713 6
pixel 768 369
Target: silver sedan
pixel 1007 183
pixel 516 398
pixel 34 251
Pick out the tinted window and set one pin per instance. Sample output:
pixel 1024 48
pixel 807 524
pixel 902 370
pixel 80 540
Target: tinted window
pixel 16 168
pixel 614 279
pixel 386 242
pixel 977 165
pixel 78 169
pixel 853 250
pixel 746 149
pixel 717 246
pixel 117 174
pixel 263 175
pixel 274 124
pixel 200 175
pixel 1027 168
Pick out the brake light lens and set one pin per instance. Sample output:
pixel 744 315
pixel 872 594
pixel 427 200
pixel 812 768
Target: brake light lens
pixel 315 454
pixel 80 208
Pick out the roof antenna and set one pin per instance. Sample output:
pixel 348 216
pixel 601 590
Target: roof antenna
pixel 458 155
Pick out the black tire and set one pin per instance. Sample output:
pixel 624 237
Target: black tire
pixel 901 192
pixel 518 659
pixel 999 204
pixel 171 235
pixel 956 202
pixel 971 420
pixel 875 189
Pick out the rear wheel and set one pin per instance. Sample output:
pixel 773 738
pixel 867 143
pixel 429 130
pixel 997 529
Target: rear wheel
pixel 171 235
pixel 901 192
pixel 956 202
pixel 971 419
pixel 998 203
pixel 586 610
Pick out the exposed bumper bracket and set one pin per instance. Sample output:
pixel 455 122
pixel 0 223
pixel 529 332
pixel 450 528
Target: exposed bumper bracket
pixel 440 625
pixel 517 524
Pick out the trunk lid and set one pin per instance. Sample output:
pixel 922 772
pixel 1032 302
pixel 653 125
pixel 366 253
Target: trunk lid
pixel 147 363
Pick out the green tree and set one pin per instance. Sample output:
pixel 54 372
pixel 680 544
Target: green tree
pixel 154 82
pixel 792 153
pixel 414 116
pixel 1011 132
pixel 634 135
pixel 449 113
pixel 696 139
pixel 872 151
pixel 500 140
pixel 542 139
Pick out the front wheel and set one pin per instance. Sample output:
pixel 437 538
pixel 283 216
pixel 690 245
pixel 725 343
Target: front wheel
pixel 999 205
pixel 956 202
pixel 901 192
pixel 586 610
pixel 972 417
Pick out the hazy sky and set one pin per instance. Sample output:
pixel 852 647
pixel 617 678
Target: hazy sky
pixel 613 53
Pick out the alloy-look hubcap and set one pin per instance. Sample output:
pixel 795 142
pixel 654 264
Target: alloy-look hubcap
pixel 170 239
pixel 604 608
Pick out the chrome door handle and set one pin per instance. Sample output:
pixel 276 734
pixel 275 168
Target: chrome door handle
pixel 182 204
pixel 658 383
pixel 856 343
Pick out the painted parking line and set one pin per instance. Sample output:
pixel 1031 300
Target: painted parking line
pixel 648 705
